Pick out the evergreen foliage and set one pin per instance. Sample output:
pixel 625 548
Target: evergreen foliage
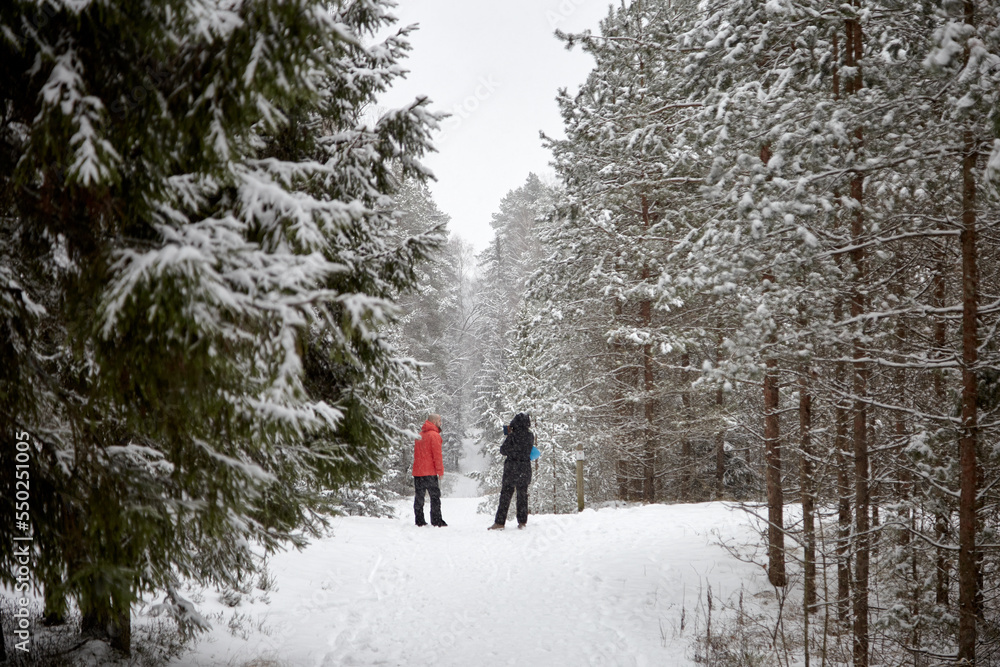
pixel 197 261
pixel 506 382
pixel 799 198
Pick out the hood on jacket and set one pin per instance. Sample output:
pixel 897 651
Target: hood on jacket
pixel 429 426
pixel 521 422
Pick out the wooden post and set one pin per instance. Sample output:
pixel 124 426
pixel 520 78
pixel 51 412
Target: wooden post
pixel 579 477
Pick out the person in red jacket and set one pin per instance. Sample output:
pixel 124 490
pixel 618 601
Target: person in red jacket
pixel 427 467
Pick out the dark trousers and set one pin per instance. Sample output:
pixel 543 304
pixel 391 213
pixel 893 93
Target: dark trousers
pixel 506 491
pixel 430 485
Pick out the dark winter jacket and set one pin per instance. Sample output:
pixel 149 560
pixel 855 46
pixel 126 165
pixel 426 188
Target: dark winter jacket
pixel 427 452
pixel 517 448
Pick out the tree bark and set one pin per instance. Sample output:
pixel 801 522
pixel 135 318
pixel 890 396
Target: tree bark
pixel 967 561
pixel 720 446
pixel 648 384
pixel 624 463
pixel 121 624
pixel 942 581
pixel 687 454
pixel 55 605
pixel 843 509
pixel 852 58
pixel 840 422
pixel 649 451
pixel 108 618
pixel 862 537
pixel 772 453
pixel 807 494
pixel 775 501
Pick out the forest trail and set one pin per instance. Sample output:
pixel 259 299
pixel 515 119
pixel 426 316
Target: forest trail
pixel 460 485
pixel 607 587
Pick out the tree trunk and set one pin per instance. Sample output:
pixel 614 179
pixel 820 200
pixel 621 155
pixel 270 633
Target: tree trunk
pixel 905 485
pixel 772 454
pixel 775 500
pixel 941 519
pixel 687 455
pixel 620 477
pixel 840 437
pixel 967 561
pixel 942 584
pixel 843 512
pixel 649 452
pixel 55 605
pixel 861 492
pixel 121 625
pixel 841 411
pixel 853 53
pixel 107 617
pixel 861 510
pixel 649 409
pixel 720 446
pixel 807 494
pixel 624 450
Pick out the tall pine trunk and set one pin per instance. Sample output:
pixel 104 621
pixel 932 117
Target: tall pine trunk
pixel 775 499
pixel 853 52
pixel 968 579
pixel 806 489
pixel 841 441
pixel 687 454
pixel 942 518
pixel 772 451
pixel 808 497
pixel 649 434
pixel 648 385
pixel 840 430
pixel 967 561
pixel 720 439
pixel 908 517
pixel 624 408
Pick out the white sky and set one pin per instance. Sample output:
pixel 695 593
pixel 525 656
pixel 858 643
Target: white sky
pixel 497 67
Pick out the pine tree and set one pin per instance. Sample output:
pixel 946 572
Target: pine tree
pixel 836 150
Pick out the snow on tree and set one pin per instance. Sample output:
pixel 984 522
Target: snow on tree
pixel 197 266
pixel 632 175
pixel 787 184
pixel 434 330
pixel 504 267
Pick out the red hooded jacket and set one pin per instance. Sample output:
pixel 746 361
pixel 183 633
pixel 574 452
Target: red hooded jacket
pixel 427 459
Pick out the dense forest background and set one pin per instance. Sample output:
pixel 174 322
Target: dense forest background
pixel 768 271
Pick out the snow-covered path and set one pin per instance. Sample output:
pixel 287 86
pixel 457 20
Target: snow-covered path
pixel 604 587
pixel 461 485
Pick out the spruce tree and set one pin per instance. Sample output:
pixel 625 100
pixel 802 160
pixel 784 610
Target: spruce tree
pixel 197 264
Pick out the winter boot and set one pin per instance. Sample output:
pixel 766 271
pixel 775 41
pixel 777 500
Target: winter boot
pixel 441 524
pixel 521 526
pixel 496 526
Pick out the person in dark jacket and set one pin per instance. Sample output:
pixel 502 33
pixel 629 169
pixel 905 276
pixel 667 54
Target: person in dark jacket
pixel 428 466
pixel 516 470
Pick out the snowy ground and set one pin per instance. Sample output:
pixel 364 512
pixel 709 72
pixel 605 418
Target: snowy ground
pixel 610 587
pixel 607 587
